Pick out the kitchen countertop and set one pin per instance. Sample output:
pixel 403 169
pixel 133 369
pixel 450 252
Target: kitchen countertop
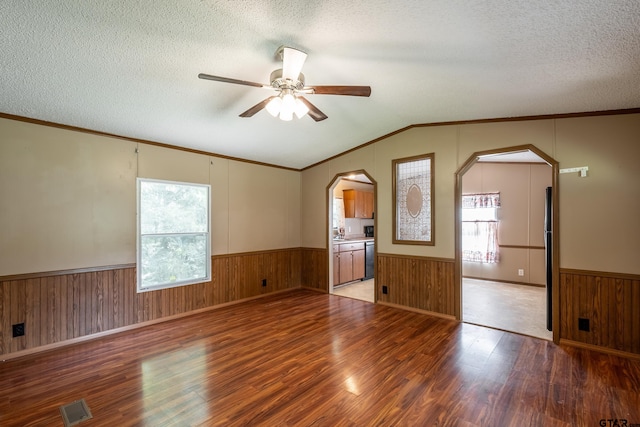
pixel 353 240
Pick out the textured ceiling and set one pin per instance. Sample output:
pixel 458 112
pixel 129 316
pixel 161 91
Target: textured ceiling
pixel 130 68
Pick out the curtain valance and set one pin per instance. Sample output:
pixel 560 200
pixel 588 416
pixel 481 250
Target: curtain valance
pixel 481 200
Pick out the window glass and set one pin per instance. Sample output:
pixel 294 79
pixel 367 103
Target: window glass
pixel 479 214
pixel 173 234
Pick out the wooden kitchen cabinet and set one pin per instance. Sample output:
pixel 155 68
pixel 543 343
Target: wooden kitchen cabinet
pixel 336 266
pixel 358 204
pixel 358 264
pixel 346 267
pixel 368 205
pixel 348 262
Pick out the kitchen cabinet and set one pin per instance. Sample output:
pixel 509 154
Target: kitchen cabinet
pixel 336 264
pixel 348 262
pixel 358 204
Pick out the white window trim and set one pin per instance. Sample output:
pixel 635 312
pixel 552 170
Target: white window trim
pixel 175 284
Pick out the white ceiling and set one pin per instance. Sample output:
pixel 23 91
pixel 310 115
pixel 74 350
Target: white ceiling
pixel 130 68
pixel 525 156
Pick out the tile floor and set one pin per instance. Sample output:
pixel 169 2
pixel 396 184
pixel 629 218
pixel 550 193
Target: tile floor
pixel 359 290
pixel 506 306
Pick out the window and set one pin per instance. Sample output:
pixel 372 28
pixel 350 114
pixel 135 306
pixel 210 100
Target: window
pixel 412 195
pixel 338 217
pixel 480 227
pixel 173 244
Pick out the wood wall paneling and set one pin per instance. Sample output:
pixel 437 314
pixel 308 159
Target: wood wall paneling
pixel 610 302
pixel 314 271
pixel 60 307
pixel 221 292
pixel 416 282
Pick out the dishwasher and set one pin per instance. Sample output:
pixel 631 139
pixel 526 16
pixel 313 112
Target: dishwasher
pixel 368 260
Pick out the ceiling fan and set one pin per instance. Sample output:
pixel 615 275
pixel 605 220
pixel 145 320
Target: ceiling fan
pixel 288 83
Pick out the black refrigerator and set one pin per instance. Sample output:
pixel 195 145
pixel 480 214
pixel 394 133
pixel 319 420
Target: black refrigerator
pixel 548 249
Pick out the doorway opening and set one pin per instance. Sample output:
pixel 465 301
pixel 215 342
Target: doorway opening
pixel 506 258
pixel 351 235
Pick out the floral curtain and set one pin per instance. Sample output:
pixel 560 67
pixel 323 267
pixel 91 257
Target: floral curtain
pixel 338 213
pixel 481 200
pixel 480 241
pixel 480 236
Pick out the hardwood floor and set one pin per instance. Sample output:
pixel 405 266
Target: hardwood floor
pixel 304 358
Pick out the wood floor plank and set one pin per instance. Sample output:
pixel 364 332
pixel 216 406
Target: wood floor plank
pixel 302 358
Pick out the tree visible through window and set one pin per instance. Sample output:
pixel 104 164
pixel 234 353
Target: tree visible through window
pixel 173 247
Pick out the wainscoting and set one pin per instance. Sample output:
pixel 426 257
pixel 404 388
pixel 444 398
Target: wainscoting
pixel 315 269
pixel 611 304
pixel 65 305
pixel 422 283
pixel 69 305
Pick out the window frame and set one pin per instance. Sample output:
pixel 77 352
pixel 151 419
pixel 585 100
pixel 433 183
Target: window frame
pixel 166 285
pixel 397 202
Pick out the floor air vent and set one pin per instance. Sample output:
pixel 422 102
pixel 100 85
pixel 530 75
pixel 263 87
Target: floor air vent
pixel 74 413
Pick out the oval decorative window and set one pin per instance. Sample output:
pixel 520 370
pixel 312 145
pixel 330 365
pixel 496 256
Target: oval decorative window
pixel 414 200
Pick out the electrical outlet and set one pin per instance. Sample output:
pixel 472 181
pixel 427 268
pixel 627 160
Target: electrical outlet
pixel 18 330
pixel 385 290
pixel 264 282
pixel 521 272
pixel 583 324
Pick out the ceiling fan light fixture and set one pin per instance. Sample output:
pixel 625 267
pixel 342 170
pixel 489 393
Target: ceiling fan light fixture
pixel 301 109
pixel 286 115
pixel 273 107
pixel 288 105
pixel 289 84
pixel 285 106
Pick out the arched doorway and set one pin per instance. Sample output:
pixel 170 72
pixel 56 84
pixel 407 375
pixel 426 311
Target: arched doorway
pixel 353 235
pixel 512 154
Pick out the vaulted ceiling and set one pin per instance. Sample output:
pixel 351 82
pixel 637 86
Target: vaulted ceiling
pixel 131 68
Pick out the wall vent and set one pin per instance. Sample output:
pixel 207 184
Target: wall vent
pixel 74 413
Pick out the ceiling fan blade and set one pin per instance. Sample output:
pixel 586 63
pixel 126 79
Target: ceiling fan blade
pixel 228 80
pixel 259 106
pixel 340 90
pixel 292 62
pixel 314 113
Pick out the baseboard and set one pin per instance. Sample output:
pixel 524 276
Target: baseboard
pixel 418 310
pixel 85 338
pixel 308 288
pixel 536 285
pixel 611 351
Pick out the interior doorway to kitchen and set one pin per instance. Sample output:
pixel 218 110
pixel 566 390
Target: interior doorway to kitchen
pixel 351 235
